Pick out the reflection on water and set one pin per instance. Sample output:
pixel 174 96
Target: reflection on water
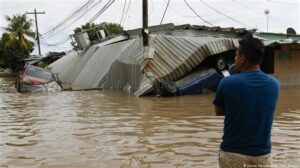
pixel 115 129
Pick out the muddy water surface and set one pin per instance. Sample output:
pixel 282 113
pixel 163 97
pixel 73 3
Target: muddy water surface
pixel 94 129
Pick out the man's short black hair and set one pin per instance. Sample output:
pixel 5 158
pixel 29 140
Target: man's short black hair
pixel 253 49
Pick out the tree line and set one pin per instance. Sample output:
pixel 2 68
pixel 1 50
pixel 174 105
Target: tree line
pixel 17 41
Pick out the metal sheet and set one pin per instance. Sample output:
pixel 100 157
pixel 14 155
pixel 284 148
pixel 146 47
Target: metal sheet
pixel 177 55
pixel 128 65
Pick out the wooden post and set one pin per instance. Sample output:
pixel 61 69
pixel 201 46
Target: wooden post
pixel 145 31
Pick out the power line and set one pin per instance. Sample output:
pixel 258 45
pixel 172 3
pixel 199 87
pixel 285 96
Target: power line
pixel 258 12
pixel 246 7
pixel 75 13
pixel 128 6
pixel 127 10
pixel 177 12
pixel 65 25
pixel 63 28
pixel 170 6
pixel 224 14
pixel 123 11
pixel 57 43
pixel 197 13
pixel 91 20
pixel 165 12
pixel 106 6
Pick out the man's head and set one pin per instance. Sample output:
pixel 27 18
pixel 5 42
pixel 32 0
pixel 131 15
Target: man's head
pixel 249 54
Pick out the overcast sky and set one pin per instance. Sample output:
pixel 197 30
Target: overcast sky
pixel 225 13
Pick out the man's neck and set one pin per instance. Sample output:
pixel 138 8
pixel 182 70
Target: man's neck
pixel 251 68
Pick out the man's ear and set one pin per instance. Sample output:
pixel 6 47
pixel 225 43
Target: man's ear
pixel 243 58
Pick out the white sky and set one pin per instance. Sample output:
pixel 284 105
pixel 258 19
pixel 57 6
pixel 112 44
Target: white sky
pixel 283 14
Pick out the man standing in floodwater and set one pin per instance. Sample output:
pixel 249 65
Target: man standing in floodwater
pixel 248 101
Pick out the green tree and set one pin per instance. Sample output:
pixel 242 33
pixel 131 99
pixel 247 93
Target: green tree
pixel 15 43
pixel 110 29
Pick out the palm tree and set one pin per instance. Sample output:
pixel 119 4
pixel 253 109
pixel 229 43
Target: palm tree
pixel 19 32
pixel 16 43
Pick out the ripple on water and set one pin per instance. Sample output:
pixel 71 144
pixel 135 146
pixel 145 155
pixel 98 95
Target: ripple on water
pixel 114 129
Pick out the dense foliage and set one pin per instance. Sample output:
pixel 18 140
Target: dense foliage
pixel 15 43
pixel 110 29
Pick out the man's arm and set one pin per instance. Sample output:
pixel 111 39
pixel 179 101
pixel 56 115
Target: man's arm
pixel 219 111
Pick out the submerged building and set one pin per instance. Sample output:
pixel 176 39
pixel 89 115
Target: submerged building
pixel 122 62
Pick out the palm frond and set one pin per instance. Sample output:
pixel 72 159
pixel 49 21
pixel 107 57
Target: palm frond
pixel 23 44
pixel 30 33
pixel 19 32
pixel 13 35
pixel 10 43
pixel 7 18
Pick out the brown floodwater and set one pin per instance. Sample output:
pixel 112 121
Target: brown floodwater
pixel 103 129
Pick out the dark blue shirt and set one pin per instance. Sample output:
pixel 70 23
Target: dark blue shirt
pixel 249 100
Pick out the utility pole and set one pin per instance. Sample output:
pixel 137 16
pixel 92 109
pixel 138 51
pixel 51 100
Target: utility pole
pixel 37 29
pixel 267 13
pixel 145 31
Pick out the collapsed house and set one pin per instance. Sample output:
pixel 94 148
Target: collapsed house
pixel 123 63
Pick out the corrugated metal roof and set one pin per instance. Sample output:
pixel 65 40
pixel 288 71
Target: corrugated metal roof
pixel 127 63
pixel 193 30
pixel 204 33
pixel 124 70
pixel 278 36
pixel 174 56
pixel 215 28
